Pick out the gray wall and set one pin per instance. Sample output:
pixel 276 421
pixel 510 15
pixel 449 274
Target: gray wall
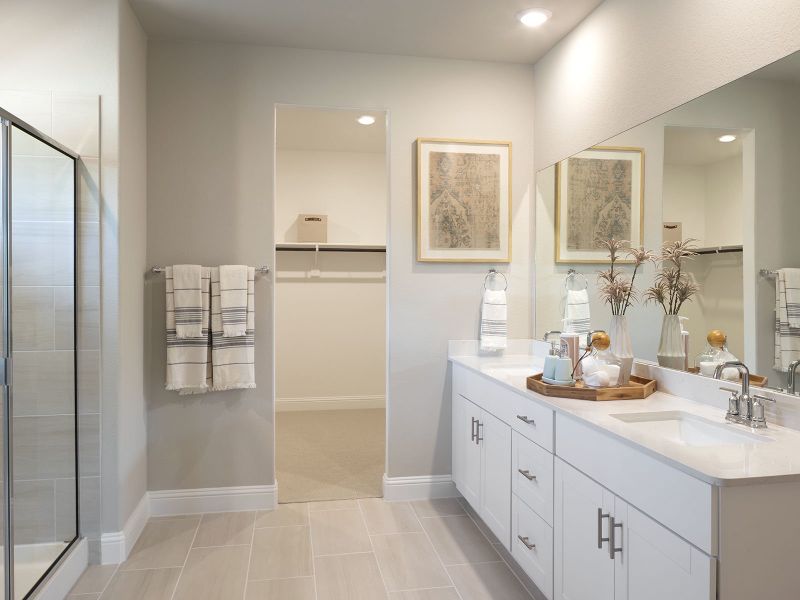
pixel 629 61
pixel 210 200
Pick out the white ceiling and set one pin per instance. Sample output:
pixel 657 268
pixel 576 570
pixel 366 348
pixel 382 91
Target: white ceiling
pixel 699 146
pixel 461 29
pixel 302 128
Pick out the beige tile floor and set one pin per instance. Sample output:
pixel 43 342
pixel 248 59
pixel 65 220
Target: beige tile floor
pixel 341 550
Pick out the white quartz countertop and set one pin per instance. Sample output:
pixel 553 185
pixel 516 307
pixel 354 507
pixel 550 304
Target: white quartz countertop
pixel 776 459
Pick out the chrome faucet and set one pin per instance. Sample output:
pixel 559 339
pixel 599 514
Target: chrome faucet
pixel 791 382
pixel 742 407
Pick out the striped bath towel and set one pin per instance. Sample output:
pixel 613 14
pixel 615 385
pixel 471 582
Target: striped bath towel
pixel 189 359
pixel 787 318
pixel 494 327
pixel 577 318
pixel 233 299
pixel 233 358
pixel 188 301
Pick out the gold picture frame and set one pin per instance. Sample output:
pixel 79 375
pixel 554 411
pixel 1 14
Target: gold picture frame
pixel 484 221
pixel 618 154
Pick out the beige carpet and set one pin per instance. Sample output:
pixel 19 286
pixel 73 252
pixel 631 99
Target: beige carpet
pixel 330 454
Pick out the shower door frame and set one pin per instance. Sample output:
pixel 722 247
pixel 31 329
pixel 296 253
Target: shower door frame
pixel 7 122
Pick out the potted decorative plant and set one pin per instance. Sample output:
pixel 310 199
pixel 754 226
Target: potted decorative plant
pixel 618 291
pixel 671 289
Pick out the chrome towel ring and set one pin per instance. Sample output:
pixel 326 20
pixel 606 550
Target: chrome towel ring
pixel 572 276
pixel 494 273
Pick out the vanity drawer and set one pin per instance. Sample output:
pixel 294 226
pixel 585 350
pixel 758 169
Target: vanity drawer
pixel 528 529
pixel 677 500
pixel 531 419
pixel 532 476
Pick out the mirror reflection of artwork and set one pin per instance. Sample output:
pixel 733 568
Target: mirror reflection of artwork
pixel 598 197
pixel 463 201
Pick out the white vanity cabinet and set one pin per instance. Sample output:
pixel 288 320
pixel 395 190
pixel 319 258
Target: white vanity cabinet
pixel 482 465
pixel 607 550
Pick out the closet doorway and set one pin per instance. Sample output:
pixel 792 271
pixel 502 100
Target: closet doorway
pixel 331 200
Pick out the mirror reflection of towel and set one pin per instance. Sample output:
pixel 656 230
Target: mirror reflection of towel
pixel 787 318
pixel 576 312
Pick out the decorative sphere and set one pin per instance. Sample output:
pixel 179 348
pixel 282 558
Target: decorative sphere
pixel 716 338
pixel 601 340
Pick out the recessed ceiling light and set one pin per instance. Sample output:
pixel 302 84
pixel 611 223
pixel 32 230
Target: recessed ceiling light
pixel 534 17
pixel 366 120
pixel 727 138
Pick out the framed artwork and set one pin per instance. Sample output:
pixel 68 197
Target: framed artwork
pixel 599 195
pixel 463 201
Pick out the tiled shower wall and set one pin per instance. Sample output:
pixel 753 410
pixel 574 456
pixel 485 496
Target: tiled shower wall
pixel 42 308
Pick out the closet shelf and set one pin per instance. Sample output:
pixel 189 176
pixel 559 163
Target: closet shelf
pixel 719 250
pixel 311 247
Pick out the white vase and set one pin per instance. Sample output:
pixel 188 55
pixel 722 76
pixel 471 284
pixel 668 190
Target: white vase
pixel 671 352
pixel 621 346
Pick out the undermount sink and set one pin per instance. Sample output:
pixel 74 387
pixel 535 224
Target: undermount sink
pixel 687 429
pixel 509 370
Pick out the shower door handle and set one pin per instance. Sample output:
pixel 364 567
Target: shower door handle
pixel 5 371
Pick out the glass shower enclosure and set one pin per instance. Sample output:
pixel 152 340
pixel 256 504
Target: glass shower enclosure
pixel 38 364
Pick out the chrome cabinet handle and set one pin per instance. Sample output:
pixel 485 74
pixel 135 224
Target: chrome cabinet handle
pixel 600 516
pixel 612 542
pixel 526 420
pixel 527 474
pixel 478 438
pixel 473 434
pixel 526 541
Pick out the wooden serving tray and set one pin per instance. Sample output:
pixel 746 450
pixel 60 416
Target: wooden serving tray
pixel 756 380
pixel 637 389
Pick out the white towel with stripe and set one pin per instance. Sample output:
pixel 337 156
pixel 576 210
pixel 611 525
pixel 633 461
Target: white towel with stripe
pixel 189 359
pixel 577 318
pixel 233 299
pixel 787 318
pixel 188 301
pixel 233 358
pixel 494 320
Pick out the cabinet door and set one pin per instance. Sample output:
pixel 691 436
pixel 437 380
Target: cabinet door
pixel 656 564
pixel 583 571
pixel 495 441
pixel 466 451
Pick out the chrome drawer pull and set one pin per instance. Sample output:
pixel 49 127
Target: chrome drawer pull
pixel 612 542
pixel 526 420
pixel 527 543
pixel 478 437
pixel 474 420
pixel 600 516
pixel 527 474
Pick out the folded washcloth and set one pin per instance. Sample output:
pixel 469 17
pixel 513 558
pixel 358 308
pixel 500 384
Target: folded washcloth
pixel 233 358
pixel 787 318
pixel 576 312
pixel 187 299
pixel 233 299
pixel 494 317
pixel 189 359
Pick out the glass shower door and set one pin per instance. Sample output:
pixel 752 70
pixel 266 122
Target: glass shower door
pixel 41 426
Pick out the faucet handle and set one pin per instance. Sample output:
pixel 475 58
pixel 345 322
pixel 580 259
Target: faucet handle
pixel 731 390
pixel 760 397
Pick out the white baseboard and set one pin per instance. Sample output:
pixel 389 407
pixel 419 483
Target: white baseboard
pixel 66 574
pixel 329 403
pixel 397 489
pixel 164 503
pixel 117 545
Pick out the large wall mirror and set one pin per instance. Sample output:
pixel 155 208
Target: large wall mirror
pixel 722 171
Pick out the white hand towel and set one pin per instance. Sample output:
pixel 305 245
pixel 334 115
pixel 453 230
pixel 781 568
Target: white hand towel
pixel 233 299
pixel 189 359
pixel 494 316
pixel 577 318
pixel 188 302
pixel 233 358
pixel 787 318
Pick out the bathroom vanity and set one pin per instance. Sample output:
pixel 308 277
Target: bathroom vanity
pixel 656 499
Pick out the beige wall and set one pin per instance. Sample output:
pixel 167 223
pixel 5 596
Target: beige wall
pixel 330 328
pixel 210 200
pixel 631 60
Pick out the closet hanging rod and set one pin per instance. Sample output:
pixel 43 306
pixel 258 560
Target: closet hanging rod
pixel 283 248
pixel 163 269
